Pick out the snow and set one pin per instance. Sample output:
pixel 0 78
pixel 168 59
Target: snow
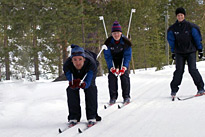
pixel 38 109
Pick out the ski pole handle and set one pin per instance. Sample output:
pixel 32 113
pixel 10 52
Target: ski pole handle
pixel 82 80
pixel 104 47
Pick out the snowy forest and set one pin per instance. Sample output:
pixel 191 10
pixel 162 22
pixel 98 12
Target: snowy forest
pixel 35 35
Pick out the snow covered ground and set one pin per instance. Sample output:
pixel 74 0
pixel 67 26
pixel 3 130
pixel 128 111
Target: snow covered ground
pixel 38 109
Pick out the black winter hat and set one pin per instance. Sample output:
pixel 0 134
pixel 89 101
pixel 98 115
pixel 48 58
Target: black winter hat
pixel 180 10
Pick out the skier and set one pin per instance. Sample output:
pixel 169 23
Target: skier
pixel 80 70
pixel 117 58
pixel 185 39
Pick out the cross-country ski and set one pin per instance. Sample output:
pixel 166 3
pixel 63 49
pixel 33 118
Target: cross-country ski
pixel 61 130
pixel 89 125
pixel 122 105
pixel 190 97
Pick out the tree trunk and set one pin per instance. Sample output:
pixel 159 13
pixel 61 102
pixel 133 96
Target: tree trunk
pixel 100 70
pixel 65 52
pixel 36 61
pixel 6 56
pixel 132 59
pixel 145 60
pixel 133 64
pixel 0 72
pixel 83 28
pixel 60 67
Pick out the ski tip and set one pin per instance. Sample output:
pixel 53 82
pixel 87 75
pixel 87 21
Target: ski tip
pixel 105 107
pixel 178 98
pixel 79 130
pixel 119 107
pixel 59 130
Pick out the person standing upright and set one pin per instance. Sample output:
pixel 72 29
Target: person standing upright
pixel 117 58
pixel 185 40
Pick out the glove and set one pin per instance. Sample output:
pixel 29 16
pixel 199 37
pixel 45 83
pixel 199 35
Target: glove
pixel 173 56
pixel 75 83
pixel 117 72
pixel 71 84
pixel 122 71
pixel 200 54
pixel 82 85
pixel 113 70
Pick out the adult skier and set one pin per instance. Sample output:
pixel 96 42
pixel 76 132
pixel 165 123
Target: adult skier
pixel 117 58
pixel 80 70
pixel 185 39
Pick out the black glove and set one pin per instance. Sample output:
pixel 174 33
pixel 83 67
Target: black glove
pixel 200 53
pixel 173 56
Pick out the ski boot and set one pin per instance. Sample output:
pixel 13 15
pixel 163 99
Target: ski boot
pixel 72 123
pixel 91 122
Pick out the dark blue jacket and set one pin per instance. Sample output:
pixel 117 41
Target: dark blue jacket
pixel 117 53
pixel 184 37
pixel 89 68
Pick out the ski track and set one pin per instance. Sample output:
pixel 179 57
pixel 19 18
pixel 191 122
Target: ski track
pixel 42 109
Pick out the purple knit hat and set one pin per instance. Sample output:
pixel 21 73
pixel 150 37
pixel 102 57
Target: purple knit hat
pixel 116 27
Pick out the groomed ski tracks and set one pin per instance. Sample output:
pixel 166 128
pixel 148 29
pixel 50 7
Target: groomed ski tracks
pixel 119 106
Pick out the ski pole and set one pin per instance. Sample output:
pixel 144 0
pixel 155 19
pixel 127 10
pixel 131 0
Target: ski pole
pixel 132 11
pixel 104 47
pixel 115 69
pixel 102 18
pixel 69 51
pixel 82 79
pixel 121 65
pixel 172 62
pixel 72 78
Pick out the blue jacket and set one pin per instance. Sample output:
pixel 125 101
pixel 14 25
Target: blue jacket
pixel 118 54
pixel 89 69
pixel 184 37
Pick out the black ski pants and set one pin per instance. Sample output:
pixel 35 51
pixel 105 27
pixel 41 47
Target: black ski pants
pixel 113 85
pixel 178 73
pixel 73 100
